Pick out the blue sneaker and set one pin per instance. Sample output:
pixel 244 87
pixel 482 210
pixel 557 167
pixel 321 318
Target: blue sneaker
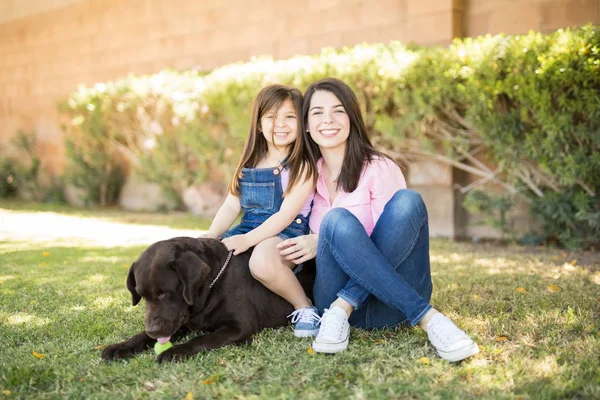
pixel 306 321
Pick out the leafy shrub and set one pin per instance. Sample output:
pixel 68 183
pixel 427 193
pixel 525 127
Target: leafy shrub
pixel 20 172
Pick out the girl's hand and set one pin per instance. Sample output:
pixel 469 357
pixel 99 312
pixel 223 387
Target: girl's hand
pixel 299 249
pixel 237 243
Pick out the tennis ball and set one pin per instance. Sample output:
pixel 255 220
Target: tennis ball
pixel 162 347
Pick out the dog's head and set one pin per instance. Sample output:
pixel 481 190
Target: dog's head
pixel 171 276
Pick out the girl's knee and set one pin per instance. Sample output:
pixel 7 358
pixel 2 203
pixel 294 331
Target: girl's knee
pixel 263 267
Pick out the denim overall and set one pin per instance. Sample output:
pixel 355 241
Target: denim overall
pixel 261 196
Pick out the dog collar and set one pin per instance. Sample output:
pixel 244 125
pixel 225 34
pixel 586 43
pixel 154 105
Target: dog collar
pixel 221 271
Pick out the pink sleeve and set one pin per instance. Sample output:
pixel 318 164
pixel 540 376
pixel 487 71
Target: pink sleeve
pixel 386 178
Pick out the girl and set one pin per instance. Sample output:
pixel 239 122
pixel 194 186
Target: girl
pixel 271 185
pixel 370 233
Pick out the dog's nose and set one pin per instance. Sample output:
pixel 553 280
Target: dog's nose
pixel 154 330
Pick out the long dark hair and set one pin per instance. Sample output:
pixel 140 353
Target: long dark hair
pixel 256 147
pixel 359 150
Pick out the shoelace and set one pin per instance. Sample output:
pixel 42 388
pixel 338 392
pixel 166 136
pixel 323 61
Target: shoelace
pixel 446 331
pixel 332 326
pixel 306 315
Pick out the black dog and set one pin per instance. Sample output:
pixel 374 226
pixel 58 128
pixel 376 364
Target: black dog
pixel 174 277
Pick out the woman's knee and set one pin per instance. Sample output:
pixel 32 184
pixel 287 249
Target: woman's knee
pixel 338 220
pixel 406 202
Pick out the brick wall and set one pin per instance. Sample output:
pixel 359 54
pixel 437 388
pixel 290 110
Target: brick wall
pixel 521 16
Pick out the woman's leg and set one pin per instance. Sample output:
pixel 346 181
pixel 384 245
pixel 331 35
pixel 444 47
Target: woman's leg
pixel 267 266
pixel 350 264
pixel 393 265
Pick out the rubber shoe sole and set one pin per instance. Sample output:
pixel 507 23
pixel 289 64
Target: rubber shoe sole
pixel 458 355
pixel 301 333
pixel 330 347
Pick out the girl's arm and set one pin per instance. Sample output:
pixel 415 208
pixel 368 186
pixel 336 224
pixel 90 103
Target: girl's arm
pixel 226 215
pixel 291 206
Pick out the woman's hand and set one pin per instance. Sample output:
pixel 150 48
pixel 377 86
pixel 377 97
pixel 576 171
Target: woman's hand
pixel 237 243
pixel 299 249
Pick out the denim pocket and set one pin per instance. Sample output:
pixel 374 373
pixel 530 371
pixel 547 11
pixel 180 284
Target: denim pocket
pixel 257 195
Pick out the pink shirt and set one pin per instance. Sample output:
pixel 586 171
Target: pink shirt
pixel 380 179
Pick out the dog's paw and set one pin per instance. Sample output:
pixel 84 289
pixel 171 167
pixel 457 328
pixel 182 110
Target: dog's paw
pixel 174 354
pixel 116 352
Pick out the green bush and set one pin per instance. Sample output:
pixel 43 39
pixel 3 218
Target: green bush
pixel 521 112
pixel 20 172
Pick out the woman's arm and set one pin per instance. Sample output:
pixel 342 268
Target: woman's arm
pixel 386 179
pixel 299 249
pixel 226 215
pixel 291 206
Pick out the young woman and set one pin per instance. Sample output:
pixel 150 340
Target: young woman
pixel 273 187
pixel 370 233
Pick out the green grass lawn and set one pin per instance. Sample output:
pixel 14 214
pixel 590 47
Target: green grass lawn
pixel 534 312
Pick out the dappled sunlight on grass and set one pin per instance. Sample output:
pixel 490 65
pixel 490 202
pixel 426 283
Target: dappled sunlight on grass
pixel 103 302
pixel 44 227
pixel 22 318
pixel 6 278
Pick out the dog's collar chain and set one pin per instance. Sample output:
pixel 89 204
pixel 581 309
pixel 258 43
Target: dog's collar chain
pixel 221 271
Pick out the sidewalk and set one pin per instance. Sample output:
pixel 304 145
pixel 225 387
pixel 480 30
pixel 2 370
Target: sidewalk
pixel 46 227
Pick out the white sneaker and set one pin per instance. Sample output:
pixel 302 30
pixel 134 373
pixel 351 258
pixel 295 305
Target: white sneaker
pixel 450 342
pixel 334 333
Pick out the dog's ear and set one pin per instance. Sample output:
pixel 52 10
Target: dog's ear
pixel 192 271
pixel 135 297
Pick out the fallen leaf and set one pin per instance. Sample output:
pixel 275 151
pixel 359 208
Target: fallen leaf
pixel 149 386
pixel 43 264
pixel 310 351
pixel 423 360
pixel 127 266
pixel 554 258
pixel 189 396
pixel 46 254
pixel 501 338
pixel 573 262
pixel 521 290
pixel 468 377
pixel 476 297
pixel 99 347
pixel 553 288
pixel 6 392
pixel 378 341
pixel 81 379
pixel 38 355
pixel 563 254
pixel 210 380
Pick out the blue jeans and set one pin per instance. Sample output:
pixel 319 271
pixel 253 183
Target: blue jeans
pixel 386 276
